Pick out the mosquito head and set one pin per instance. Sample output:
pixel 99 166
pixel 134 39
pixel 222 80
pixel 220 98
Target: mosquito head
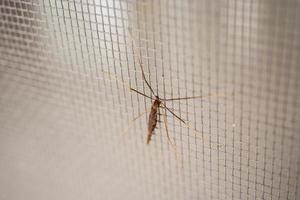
pixel 157 99
pixel 157 102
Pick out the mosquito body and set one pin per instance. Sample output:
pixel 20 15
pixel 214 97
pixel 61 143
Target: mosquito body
pixel 153 118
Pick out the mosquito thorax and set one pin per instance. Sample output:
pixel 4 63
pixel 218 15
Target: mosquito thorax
pixel 157 101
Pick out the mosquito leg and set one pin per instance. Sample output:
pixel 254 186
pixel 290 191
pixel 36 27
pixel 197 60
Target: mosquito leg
pixel 196 132
pixel 115 77
pixel 167 131
pixel 125 131
pixel 144 77
pixel 141 64
pixel 141 93
pixel 197 97
pixel 173 145
pixel 202 135
pixel 126 84
pixel 164 106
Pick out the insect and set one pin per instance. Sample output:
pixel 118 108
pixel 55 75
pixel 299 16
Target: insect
pixel 155 108
pixel 159 103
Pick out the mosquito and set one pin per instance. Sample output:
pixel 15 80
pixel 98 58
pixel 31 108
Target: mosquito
pixel 157 104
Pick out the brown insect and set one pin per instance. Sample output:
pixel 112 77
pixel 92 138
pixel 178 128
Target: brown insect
pixel 156 105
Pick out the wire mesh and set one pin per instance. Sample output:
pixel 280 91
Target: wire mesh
pixel 67 112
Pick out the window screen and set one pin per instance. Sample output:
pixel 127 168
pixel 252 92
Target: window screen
pixel 72 126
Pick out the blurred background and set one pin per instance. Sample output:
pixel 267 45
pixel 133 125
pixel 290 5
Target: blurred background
pixel 68 126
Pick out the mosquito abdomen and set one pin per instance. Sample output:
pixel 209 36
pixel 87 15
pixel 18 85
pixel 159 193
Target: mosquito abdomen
pixel 152 119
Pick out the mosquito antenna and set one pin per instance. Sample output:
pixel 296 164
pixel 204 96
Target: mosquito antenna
pixel 173 113
pixel 141 64
pixel 141 93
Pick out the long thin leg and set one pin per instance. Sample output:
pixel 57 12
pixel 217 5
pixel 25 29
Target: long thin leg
pixel 141 65
pixel 202 137
pixel 144 77
pixel 115 77
pixel 141 93
pixel 173 145
pixel 132 122
pixel 189 126
pixel 127 84
pixel 167 131
pixel 195 97
pixel 164 106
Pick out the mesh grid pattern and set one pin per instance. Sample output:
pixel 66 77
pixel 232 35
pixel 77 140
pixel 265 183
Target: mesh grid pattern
pixel 67 115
